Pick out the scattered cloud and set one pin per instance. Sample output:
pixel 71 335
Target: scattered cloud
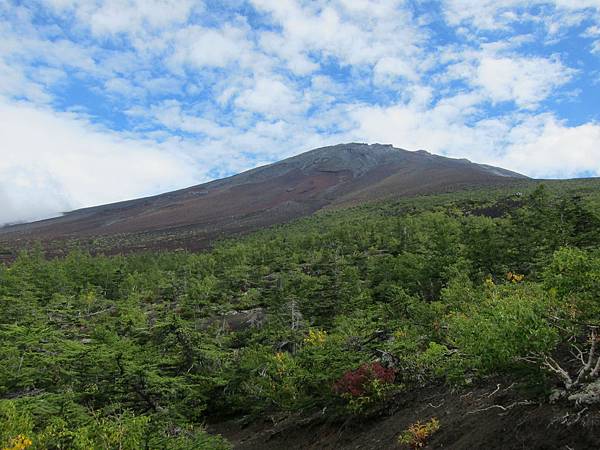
pixel 524 80
pixel 546 147
pixel 53 162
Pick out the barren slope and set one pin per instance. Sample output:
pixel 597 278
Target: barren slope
pixel 295 187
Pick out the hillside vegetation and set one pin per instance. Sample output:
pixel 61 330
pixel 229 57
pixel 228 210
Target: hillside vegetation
pixel 195 217
pixel 341 313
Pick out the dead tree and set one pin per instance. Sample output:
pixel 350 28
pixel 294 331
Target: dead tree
pixel 582 386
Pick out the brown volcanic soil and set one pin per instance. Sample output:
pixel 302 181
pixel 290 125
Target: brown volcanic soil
pixel 496 414
pixel 192 218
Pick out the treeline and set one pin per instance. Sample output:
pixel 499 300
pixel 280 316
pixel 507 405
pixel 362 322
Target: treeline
pixel 341 310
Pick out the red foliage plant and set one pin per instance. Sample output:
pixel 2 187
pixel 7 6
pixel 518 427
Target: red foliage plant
pixel 358 383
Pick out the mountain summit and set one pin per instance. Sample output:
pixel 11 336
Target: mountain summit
pixel 338 175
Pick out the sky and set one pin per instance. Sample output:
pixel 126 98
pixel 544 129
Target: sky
pixel 106 100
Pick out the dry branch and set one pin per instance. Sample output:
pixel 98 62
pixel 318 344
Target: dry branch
pixel 503 408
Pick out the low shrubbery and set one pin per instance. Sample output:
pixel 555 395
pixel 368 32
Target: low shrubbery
pixel 366 385
pixel 510 322
pixel 417 435
pixel 123 432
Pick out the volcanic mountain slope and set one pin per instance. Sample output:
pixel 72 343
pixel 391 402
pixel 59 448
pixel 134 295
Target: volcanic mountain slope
pixel 298 186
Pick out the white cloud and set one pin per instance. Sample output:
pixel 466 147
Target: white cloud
pixel 499 73
pixel 13 82
pixel 545 147
pixel 486 15
pixel 389 68
pixel 593 32
pixel 524 80
pixel 276 44
pixel 170 115
pixel 351 32
pixel 200 47
pixel 270 97
pixel 53 162
pixel 122 86
pixel 110 17
pixel 483 14
pixel 578 4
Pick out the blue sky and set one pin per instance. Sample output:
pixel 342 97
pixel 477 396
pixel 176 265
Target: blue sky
pixel 104 100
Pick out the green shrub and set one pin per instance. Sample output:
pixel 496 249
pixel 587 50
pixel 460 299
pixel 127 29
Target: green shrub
pixel 574 276
pixel 512 321
pixel 117 432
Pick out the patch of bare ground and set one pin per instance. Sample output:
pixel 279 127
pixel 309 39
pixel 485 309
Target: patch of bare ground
pixel 495 414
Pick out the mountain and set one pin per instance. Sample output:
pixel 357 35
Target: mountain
pixel 332 176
